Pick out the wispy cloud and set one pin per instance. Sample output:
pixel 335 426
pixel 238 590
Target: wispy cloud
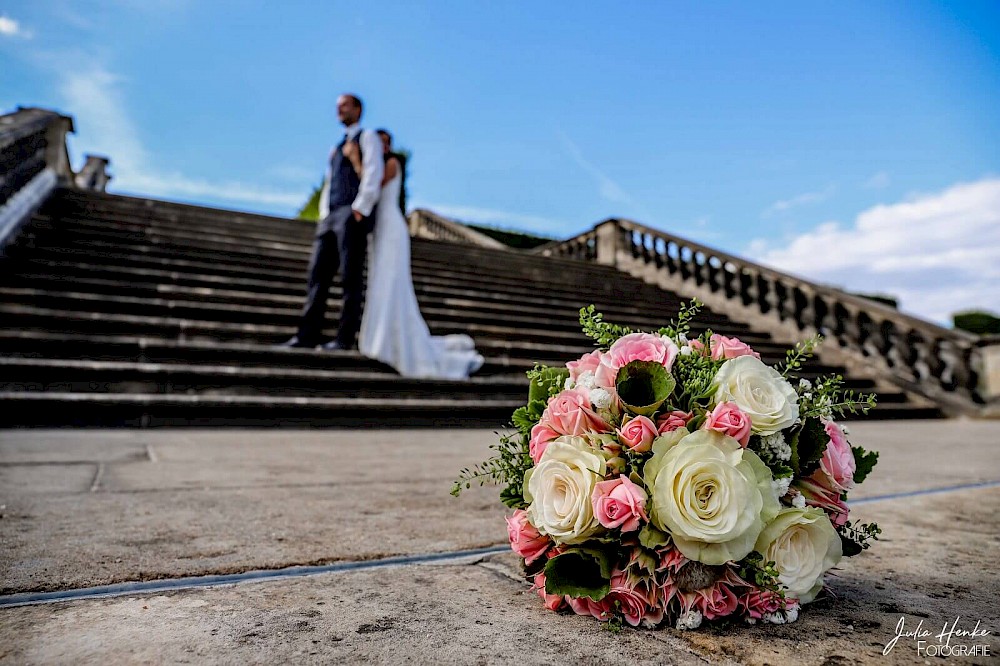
pixel 93 95
pixel 879 181
pixel 785 205
pixel 503 218
pixel 607 187
pixel 12 28
pixel 939 253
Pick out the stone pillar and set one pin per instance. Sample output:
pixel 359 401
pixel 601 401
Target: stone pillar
pixel 989 381
pixel 56 152
pixel 94 175
pixel 608 240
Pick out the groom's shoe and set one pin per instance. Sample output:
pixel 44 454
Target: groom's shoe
pixel 336 345
pixel 294 342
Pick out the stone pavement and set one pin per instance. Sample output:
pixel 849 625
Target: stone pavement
pixel 89 508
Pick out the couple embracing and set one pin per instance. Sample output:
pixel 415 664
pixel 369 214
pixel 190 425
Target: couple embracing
pixel 360 198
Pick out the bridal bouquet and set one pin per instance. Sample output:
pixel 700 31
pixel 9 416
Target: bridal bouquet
pixel 673 479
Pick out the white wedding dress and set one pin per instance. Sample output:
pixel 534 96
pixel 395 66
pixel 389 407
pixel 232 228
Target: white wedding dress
pixel 392 328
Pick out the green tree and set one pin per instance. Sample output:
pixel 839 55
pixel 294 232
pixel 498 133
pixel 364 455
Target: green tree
pixel 978 322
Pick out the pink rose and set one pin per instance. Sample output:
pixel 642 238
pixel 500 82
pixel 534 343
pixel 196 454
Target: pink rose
pixel 715 601
pixel 728 419
pixel 619 503
pixel 588 363
pixel 568 413
pixel 838 459
pixel 552 601
pixel 636 604
pixel 672 421
pixel 525 540
pixel 726 348
pixel 634 347
pixel 602 610
pixel 638 434
pixel 757 603
pixel 696 346
pixel 541 435
pixel 819 490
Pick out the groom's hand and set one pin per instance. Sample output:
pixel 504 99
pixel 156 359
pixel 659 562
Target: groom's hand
pixel 357 215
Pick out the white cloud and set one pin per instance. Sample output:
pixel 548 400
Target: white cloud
pixel 939 253
pixel 785 205
pixel 879 181
pixel 12 28
pixel 94 98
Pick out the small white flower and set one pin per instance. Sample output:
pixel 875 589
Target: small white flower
pixel 689 620
pixel 686 351
pixel 799 501
pixel 807 395
pixel 569 384
pixel 682 339
pixel 776 446
pixel 586 380
pixel 805 384
pixel 781 485
pixel 775 618
pixel 600 398
pixel 791 614
pixel 845 430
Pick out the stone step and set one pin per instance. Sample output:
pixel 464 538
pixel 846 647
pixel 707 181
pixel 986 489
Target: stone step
pixel 93 376
pixel 48 344
pixel 207 306
pixel 25 409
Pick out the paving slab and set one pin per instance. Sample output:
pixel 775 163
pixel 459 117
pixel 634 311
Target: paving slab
pixel 935 563
pixel 83 508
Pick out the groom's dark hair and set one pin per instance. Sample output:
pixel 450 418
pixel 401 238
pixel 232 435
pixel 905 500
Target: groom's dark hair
pixel 357 101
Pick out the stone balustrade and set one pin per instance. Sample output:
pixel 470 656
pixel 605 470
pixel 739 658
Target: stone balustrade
pixel 33 161
pixel 94 175
pixel 425 224
pixel 956 369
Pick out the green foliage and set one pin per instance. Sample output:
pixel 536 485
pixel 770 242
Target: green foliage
pixel 802 352
pixel 310 211
pixel 864 462
pixel 764 575
pixel 808 443
pixel 685 315
pixel 828 399
pixel 614 625
pixel 643 386
pixel 507 467
pixel 526 417
pixel 546 382
pixel 595 327
pixel 652 538
pixel 519 240
pixel 857 537
pixel 694 374
pixel 980 323
pixel 580 572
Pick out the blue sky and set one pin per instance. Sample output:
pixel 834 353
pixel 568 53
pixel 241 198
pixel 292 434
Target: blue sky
pixel 770 130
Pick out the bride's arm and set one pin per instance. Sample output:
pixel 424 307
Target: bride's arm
pixel 391 169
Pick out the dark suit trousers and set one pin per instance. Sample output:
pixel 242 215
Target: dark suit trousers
pixel 341 245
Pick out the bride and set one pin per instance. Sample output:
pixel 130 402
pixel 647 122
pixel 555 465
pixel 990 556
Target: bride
pixel 392 328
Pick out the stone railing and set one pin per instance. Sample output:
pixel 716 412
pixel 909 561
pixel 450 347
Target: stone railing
pixel 958 370
pixel 33 162
pixel 94 175
pixel 425 224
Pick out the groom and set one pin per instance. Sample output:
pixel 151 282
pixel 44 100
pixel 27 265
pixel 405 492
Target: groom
pixel 347 210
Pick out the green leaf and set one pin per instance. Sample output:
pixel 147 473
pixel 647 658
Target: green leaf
pixel 525 418
pixel 850 546
pixel 643 386
pixel 652 538
pixel 808 444
pixel 511 496
pixel 864 462
pixel 579 572
pixel 546 382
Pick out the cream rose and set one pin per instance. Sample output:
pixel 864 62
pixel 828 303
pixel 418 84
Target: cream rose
pixel 760 392
pixel 803 546
pixel 559 489
pixel 713 496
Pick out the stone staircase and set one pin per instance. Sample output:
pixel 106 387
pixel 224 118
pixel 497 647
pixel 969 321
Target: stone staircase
pixel 128 311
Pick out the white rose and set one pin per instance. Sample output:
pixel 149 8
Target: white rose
pixel 713 496
pixel 760 391
pixel 803 545
pixel 559 489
